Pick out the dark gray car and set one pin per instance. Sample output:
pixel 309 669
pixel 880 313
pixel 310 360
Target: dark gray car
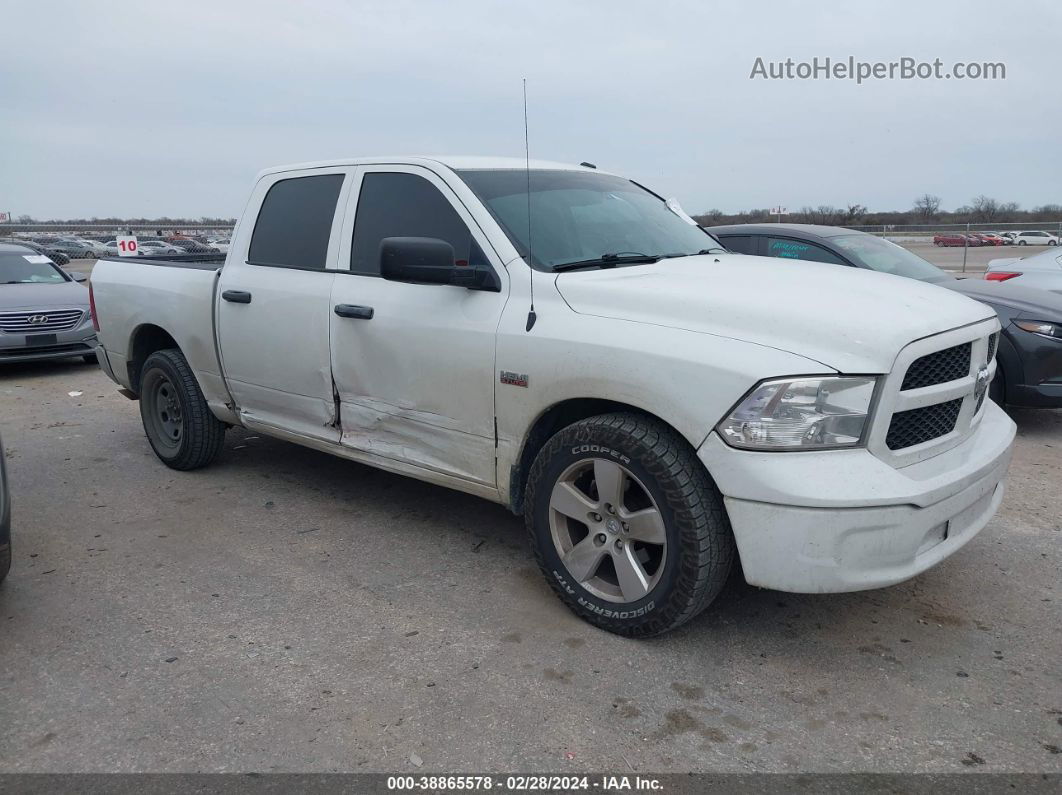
pixel 44 311
pixel 1030 349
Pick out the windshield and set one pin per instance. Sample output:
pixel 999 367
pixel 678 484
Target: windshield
pixel 576 216
pixel 885 256
pixel 28 269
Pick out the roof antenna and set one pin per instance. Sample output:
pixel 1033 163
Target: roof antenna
pixel 531 316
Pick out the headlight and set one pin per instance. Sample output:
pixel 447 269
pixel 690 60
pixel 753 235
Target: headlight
pixel 1053 330
pixel 801 414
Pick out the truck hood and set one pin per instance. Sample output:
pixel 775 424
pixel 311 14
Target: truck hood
pixel 1030 301
pixel 43 296
pixel 851 320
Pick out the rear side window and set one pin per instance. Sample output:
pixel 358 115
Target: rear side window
pixel 787 248
pixel 739 244
pixel 295 222
pixel 406 205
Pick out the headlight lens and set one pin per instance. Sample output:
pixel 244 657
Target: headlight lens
pixel 801 414
pixel 1052 330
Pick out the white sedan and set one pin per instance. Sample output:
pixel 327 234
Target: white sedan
pixel 1043 270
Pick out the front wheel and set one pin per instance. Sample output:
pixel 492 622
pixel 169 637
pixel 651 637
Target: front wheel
pixel 1021 242
pixel 182 430
pixel 626 524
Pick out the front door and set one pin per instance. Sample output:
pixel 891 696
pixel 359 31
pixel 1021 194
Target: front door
pixel 273 309
pixel 414 363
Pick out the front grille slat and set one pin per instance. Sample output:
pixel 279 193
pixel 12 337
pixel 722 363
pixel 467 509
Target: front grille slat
pixel 939 367
pixel 29 323
pixel 993 342
pixel 916 426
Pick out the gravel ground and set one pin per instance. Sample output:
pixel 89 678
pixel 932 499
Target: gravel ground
pixel 285 610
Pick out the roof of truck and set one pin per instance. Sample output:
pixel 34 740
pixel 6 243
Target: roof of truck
pixel 456 162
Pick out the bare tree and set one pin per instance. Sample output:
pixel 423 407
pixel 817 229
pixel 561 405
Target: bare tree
pixel 852 214
pixel 985 208
pixel 927 206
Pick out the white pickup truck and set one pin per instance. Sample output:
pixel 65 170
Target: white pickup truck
pixel 565 342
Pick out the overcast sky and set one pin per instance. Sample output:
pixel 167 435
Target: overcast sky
pixel 148 109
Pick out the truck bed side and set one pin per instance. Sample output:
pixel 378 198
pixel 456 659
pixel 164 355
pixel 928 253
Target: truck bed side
pixel 144 305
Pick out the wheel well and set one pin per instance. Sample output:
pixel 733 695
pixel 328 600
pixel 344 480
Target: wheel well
pixel 548 423
pixel 146 340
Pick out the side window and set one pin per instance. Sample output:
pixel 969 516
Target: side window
pixel 406 205
pixel 739 244
pixel 295 222
pixel 787 248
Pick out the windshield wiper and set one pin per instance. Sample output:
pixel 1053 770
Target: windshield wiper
pixel 715 250
pixel 608 261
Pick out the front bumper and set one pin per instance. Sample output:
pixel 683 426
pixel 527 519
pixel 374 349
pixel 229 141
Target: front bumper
pixel 79 341
pixel 844 520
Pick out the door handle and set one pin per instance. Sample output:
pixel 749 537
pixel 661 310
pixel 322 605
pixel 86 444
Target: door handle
pixel 237 296
pixel 355 311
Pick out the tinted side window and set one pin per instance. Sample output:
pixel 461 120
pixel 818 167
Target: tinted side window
pixel 787 248
pixel 405 205
pixel 295 222
pixel 739 244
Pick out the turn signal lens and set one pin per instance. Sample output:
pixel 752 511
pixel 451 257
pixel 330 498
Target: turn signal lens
pixel 1000 276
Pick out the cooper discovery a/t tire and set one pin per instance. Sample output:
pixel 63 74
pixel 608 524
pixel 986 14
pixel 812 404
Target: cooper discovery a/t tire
pixel 626 524
pixel 182 430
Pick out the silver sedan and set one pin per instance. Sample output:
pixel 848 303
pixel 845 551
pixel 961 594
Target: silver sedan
pixel 44 311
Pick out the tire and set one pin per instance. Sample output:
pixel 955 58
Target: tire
pixel 90 358
pixel 1052 243
pixel 182 430
pixel 5 561
pixel 666 581
pixel 1021 242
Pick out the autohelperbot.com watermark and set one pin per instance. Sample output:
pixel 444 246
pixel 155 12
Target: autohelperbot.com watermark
pixel 851 68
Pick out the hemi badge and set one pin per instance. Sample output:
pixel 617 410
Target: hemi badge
pixel 513 379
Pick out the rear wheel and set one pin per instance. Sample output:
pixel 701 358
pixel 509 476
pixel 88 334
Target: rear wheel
pixel 182 430
pixel 626 524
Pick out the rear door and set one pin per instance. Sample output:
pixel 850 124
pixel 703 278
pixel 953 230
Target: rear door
pixel 414 363
pixel 273 306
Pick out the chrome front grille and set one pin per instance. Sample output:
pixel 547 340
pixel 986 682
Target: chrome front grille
pixel 934 397
pixel 40 321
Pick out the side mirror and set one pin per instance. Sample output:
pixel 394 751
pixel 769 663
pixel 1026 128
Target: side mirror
pixel 77 276
pixel 428 260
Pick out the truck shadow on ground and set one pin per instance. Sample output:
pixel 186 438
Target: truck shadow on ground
pixel 805 626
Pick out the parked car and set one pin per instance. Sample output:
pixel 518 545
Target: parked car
pixel 189 246
pixel 5 518
pixel 991 239
pixel 156 247
pixel 1042 270
pixel 1030 361
pixel 95 246
pixel 72 249
pixel 636 412
pixel 58 257
pixel 1035 238
pixel 956 239
pixel 44 311
pixel 949 240
pixel 220 243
